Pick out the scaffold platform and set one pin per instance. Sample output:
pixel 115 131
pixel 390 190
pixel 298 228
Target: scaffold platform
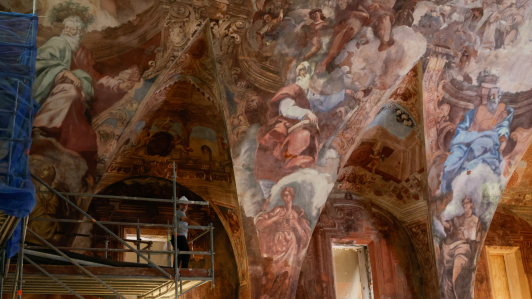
pixel 146 283
pixel 79 275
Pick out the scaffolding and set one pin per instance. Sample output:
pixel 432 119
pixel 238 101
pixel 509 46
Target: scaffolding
pixel 17 72
pixel 18 49
pixel 85 277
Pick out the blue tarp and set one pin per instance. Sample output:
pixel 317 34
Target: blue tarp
pixel 17 108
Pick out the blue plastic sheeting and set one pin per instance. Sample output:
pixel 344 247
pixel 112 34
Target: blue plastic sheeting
pixel 17 108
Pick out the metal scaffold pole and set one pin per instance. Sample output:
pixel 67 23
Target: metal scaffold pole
pixel 190 202
pixel 3 264
pixel 21 254
pixel 212 255
pixel 17 279
pixel 176 250
pixel 182 283
pixel 168 244
pixel 101 226
pixel 53 278
pixel 73 262
pixel 138 241
pixel 5 260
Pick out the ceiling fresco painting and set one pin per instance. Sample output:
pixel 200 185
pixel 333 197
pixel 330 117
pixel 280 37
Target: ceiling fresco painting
pixel 365 50
pixel 335 64
pixel 270 107
pixel 387 161
pixel 181 121
pixel 112 110
pixel 476 127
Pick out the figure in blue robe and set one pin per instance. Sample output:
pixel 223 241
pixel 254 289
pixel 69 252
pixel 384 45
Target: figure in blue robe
pixel 478 140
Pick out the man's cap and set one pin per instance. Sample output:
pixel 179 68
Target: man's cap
pixel 183 198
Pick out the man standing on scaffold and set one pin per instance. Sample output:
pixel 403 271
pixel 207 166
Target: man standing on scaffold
pixel 182 232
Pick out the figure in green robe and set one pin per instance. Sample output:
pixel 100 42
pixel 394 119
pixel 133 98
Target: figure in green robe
pixel 65 85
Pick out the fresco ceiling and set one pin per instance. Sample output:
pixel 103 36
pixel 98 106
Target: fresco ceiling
pixel 269 108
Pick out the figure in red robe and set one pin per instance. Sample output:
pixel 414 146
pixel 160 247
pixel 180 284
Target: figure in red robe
pixel 290 139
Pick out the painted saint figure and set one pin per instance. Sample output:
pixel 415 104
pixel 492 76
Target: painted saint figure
pixel 64 79
pixel 270 24
pixel 284 233
pixel 499 24
pixel 181 148
pixel 352 16
pixel 271 14
pixel 315 28
pixel 480 138
pixel 289 141
pixel 303 76
pixel 458 251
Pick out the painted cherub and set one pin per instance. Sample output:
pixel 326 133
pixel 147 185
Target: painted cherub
pixel 376 159
pixel 318 24
pixel 402 117
pixel 181 146
pixel 142 140
pixel 270 25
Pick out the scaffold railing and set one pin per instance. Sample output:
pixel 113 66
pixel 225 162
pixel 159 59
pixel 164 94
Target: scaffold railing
pixel 18 48
pixel 159 287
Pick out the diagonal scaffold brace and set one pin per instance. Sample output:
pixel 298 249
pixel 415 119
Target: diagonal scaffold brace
pixel 75 263
pixel 53 277
pixel 102 226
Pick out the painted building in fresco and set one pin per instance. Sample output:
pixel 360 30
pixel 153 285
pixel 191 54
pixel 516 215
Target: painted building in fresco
pixel 394 124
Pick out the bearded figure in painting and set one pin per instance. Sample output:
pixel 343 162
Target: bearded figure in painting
pixel 480 138
pixel 65 86
pixel 479 141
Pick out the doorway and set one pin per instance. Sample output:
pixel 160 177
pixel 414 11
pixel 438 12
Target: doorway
pixel 507 273
pixel 352 272
pixel 151 239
